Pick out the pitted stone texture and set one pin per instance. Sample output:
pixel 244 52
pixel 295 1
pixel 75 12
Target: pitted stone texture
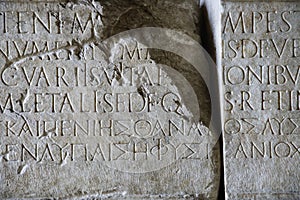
pixel 261 99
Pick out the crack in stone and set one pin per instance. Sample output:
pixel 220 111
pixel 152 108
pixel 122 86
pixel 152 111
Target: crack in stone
pixel 76 47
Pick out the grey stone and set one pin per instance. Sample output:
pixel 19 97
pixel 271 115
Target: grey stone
pixel 79 109
pixel 261 104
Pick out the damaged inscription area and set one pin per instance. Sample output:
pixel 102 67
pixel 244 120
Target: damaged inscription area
pixel 75 115
pixel 124 110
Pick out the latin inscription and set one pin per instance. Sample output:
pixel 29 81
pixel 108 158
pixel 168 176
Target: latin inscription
pixel 35 89
pixel 261 99
pixel 85 113
pixel 65 101
pixel 51 22
pixel 261 76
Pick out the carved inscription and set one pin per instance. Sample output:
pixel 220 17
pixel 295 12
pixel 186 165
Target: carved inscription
pixel 103 92
pixel 65 101
pixel 89 111
pixel 261 72
pixel 261 96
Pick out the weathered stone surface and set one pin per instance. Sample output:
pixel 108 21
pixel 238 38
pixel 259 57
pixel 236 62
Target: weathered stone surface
pixel 124 15
pixel 86 116
pixel 261 99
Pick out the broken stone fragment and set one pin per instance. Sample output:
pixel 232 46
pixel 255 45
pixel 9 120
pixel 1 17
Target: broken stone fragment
pixel 79 120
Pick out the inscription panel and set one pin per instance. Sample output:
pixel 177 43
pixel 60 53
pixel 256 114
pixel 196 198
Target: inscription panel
pixel 85 116
pixel 261 76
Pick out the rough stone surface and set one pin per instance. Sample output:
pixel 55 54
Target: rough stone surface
pixel 261 99
pixel 79 121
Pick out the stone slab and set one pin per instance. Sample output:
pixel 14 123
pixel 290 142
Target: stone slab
pixel 261 104
pixel 79 120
